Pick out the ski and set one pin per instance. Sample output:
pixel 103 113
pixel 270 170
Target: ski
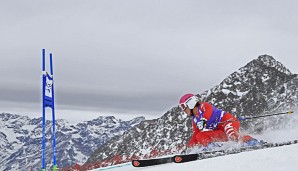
pixel 205 155
pixel 185 158
pixel 151 162
pixel 210 154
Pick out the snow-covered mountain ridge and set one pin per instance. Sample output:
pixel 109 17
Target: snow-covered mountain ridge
pixel 264 85
pixel 20 139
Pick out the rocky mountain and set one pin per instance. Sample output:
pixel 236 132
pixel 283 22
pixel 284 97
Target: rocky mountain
pixel 20 140
pixel 262 86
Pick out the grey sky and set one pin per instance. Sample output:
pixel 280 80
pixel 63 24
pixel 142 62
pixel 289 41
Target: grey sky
pixel 134 57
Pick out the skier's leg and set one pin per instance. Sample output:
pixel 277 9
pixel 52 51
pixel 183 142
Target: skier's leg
pixel 204 138
pixel 193 141
pixel 231 129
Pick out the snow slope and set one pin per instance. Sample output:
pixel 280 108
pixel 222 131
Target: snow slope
pixel 271 159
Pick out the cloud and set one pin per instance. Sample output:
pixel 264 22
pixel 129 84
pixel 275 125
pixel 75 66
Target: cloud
pixel 136 56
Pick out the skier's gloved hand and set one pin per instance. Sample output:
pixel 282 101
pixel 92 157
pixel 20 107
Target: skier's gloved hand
pixel 202 123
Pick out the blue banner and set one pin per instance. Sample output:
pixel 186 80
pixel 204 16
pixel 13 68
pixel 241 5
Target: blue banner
pixel 48 90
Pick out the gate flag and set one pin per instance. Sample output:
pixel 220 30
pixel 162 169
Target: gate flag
pixel 48 90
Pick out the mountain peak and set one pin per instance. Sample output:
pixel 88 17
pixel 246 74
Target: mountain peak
pixel 267 61
pixel 266 57
pixel 263 79
pixel 136 120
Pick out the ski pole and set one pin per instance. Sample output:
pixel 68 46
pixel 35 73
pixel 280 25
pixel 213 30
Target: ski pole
pixel 262 116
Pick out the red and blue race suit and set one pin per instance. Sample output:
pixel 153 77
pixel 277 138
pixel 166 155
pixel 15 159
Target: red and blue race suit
pixel 215 127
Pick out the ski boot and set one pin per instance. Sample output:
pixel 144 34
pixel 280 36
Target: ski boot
pixel 253 142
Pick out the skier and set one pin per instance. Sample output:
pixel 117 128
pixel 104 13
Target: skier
pixel 211 124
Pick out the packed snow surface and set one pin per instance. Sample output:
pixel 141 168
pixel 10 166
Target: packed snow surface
pixel 270 159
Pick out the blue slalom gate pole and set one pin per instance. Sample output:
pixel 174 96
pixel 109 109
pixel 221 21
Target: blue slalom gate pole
pixel 53 117
pixel 48 101
pixel 43 111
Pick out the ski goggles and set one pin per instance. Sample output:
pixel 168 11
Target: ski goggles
pixel 183 106
pixel 190 102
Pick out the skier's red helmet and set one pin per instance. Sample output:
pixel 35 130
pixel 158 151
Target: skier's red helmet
pixel 188 100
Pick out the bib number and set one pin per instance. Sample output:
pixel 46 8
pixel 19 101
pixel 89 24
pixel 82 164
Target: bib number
pixel 202 124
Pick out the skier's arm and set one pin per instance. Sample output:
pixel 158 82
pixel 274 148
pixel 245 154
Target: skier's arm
pixel 193 140
pixel 195 129
pixel 207 109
